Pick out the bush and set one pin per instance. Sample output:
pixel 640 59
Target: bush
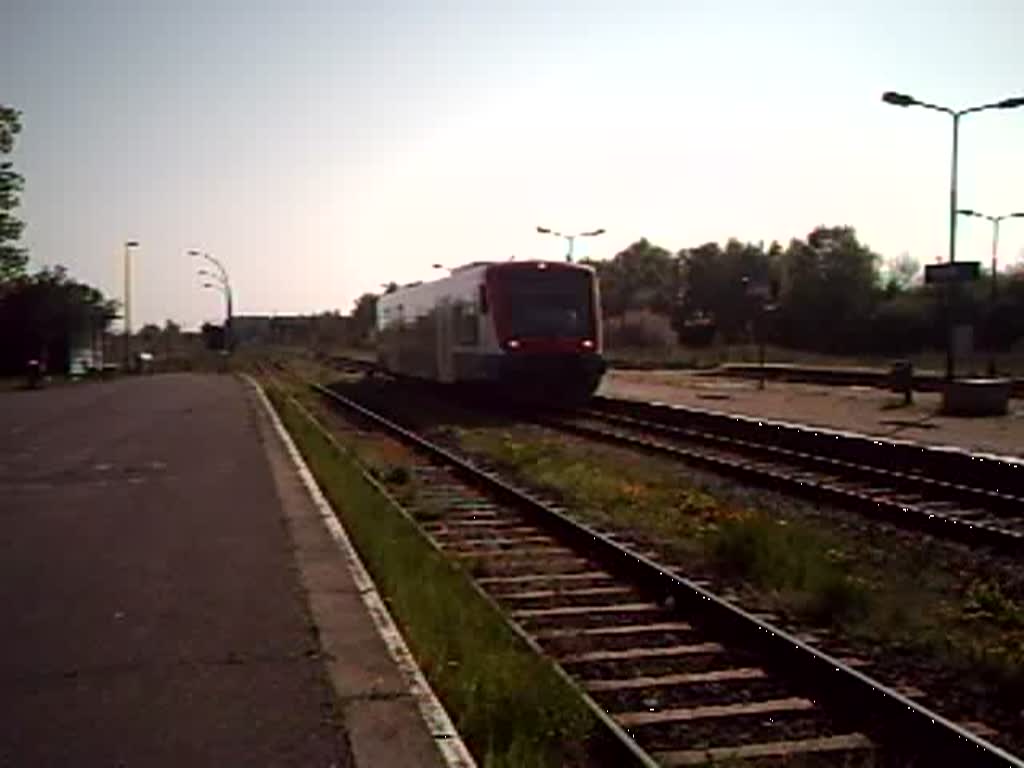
pixel 640 329
pixel 698 334
pixel 901 325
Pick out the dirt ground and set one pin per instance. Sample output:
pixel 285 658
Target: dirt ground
pixel 859 409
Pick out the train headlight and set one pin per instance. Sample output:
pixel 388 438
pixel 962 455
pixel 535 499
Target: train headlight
pixel 512 343
pixel 587 344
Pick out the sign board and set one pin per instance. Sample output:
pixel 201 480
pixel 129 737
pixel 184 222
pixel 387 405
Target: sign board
pixel 952 272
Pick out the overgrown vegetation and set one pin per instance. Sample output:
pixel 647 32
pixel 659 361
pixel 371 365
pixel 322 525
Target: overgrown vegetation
pixel 827 292
pixel 862 584
pixel 510 706
pixel 798 565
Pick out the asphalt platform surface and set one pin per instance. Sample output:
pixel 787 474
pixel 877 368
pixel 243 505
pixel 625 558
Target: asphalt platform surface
pixel 152 611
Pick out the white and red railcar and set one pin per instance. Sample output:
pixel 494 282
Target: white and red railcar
pixel 533 327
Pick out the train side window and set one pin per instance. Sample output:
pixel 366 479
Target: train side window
pixel 466 327
pixel 483 300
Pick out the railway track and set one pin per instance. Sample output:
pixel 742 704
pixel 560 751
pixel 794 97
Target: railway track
pixel 975 500
pixel 954 495
pixel 677 675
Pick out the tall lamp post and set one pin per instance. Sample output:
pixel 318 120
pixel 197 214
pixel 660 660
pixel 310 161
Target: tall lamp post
pixel 570 239
pixel 223 282
pixel 227 298
pixel 128 246
pixel 903 100
pixel 993 294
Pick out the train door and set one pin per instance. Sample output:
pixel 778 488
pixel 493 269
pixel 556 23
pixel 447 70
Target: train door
pixel 445 338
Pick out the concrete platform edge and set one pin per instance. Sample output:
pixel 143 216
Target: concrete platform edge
pixel 832 430
pixel 368 740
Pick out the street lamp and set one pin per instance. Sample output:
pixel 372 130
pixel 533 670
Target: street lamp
pixel 217 285
pixel 128 245
pixel 223 282
pixel 903 100
pixel 570 239
pixel 995 273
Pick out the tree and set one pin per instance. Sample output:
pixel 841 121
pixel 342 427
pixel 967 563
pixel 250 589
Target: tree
pixel 643 276
pixel 149 335
pixel 829 289
pixel 213 335
pixel 43 316
pixel 12 258
pixel 364 317
pixel 717 284
pixel 170 338
pixel 900 273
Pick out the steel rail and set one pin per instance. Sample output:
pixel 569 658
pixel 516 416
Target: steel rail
pixel 995 474
pixel 839 480
pixel 785 476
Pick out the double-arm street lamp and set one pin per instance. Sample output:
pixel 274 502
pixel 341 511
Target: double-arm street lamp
pixel 995 262
pixel 219 280
pixel 570 239
pixel 903 100
pixel 995 235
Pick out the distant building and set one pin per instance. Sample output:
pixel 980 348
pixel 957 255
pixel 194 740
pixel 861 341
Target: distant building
pixel 250 328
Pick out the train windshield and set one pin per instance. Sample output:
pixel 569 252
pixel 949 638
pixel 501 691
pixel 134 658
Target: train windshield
pixel 551 302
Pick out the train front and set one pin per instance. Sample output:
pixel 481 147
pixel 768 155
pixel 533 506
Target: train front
pixel 547 321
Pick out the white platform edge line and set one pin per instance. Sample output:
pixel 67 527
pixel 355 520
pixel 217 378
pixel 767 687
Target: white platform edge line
pixel 449 743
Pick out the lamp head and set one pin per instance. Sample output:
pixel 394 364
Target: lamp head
pixel 898 99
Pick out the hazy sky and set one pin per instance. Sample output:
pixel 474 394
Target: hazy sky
pixel 322 147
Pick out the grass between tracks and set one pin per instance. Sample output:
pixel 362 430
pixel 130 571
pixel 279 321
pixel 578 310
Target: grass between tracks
pixel 510 706
pixel 859 582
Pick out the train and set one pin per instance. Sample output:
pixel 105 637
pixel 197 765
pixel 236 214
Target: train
pixel 531 329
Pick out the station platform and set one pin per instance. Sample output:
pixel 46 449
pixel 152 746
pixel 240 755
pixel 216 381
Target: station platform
pixel 171 597
pixel 857 408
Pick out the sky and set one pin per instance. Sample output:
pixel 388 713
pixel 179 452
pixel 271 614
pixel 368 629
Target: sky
pixel 320 148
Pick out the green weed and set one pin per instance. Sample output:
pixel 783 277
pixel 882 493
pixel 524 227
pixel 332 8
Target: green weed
pixel 511 707
pixel 985 600
pixel 791 561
